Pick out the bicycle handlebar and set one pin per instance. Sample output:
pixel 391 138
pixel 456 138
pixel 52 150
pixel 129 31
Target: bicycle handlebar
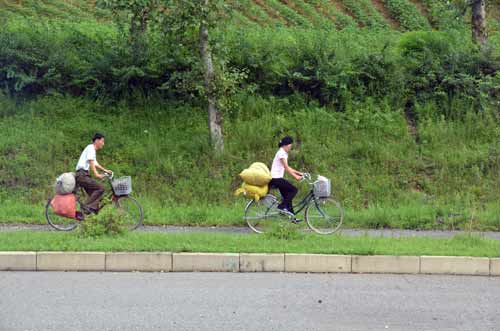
pixel 306 176
pixel 110 176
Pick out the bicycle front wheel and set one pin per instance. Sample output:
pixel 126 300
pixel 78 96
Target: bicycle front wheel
pixel 130 211
pixel 324 215
pixel 59 223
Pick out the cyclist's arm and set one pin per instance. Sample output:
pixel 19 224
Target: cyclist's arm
pixel 98 166
pixel 93 166
pixel 294 173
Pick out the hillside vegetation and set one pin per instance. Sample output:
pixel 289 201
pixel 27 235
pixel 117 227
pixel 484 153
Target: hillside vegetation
pixel 389 99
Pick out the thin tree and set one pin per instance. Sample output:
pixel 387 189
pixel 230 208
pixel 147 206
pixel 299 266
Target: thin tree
pixel 478 21
pixel 201 15
pixel 214 114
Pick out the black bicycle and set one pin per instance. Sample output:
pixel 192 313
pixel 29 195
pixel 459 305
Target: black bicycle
pixel 323 214
pixel 119 197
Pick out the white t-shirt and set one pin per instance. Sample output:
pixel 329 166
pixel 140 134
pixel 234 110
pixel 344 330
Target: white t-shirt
pixel 278 169
pixel 88 154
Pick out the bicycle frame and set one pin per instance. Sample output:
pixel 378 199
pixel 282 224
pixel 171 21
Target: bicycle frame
pixel 304 202
pixel 111 196
pixel 300 206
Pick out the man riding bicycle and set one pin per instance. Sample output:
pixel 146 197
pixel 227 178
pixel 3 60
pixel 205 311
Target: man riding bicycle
pixel 88 161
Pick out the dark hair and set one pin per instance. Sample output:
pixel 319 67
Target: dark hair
pixel 285 141
pixel 97 136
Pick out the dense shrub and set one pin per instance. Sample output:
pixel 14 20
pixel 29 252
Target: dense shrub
pixel 335 68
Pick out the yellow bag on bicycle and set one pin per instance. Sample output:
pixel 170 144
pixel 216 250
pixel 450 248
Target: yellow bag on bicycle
pixel 257 174
pixel 252 191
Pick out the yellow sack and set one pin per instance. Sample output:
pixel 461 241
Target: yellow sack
pixel 252 192
pixel 257 175
pixel 261 166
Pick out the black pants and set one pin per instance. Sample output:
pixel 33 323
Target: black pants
pixel 287 190
pixel 94 190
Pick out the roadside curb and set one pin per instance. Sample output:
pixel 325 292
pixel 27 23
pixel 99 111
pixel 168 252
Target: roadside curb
pixel 247 262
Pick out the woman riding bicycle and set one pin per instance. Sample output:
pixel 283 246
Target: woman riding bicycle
pixel 280 165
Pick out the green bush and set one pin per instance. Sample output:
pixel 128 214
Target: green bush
pixel 108 222
pixel 335 68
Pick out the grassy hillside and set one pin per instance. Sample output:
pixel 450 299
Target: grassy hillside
pixel 405 123
pixel 384 179
pixel 394 14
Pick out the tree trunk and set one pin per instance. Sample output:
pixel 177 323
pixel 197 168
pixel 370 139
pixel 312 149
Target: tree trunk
pixel 479 22
pixel 144 21
pixel 214 116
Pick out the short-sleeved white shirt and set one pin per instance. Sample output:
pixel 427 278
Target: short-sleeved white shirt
pixel 88 154
pixel 278 169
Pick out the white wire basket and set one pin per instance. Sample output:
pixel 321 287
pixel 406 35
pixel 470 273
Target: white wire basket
pixel 122 186
pixel 322 187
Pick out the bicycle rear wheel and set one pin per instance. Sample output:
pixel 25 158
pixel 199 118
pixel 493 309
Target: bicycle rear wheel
pixel 262 216
pixel 130 211
pixel 324 215
pixel 59 223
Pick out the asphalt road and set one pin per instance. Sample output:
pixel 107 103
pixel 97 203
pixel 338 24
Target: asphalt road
pixel 230 301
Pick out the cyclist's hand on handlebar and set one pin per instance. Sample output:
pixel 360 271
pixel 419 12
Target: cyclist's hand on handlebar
pixel 108 174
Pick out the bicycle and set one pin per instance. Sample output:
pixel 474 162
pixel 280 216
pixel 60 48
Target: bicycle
pixel 118 196
pixel 323 214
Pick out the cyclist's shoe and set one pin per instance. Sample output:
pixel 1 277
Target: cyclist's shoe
pixel 79 216
pixel 285 211
pixel 93 211
pixel 296 221
pixel 88 210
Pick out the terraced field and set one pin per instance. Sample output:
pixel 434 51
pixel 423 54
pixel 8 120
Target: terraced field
pixel 328 14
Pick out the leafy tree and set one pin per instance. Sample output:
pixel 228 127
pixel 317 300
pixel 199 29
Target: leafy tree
pixel 180 17
pixel 188 16
pixel 139 13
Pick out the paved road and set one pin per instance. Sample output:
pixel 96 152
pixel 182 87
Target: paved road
pixel 347 232
pixel 230 301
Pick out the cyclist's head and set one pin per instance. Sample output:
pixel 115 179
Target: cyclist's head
pixel 286 143
pixel 98 140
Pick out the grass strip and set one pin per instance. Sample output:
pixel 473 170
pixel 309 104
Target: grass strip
pixel 460 245
pixel 411 216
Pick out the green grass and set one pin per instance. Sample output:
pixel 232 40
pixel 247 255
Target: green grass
pixel 415 216
pixel 464 245
pixel 380 175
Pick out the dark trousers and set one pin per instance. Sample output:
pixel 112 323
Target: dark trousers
pixel 287 190
pixel 94 190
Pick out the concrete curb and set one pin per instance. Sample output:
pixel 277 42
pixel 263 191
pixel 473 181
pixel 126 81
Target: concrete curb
pixel 262 262
pixel 454 265
pixel 70 261
pixel 247 262
pixel 141 261
pixel 17 261
pixel 317 263
pixel 386 264
pixel 212 262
